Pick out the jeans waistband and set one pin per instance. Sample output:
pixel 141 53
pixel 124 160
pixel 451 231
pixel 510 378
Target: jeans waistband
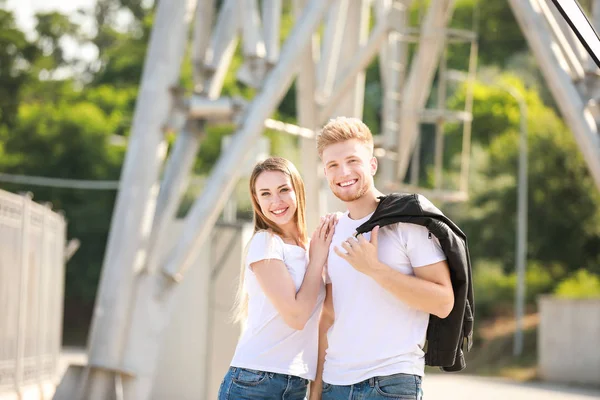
pixel 269 374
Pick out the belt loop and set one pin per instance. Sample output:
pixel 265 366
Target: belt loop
pixel 372 382
pixel 271 375
pixel 233 369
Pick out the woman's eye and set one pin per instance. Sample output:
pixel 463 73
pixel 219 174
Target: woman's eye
pixel 263 194
pixel 285 190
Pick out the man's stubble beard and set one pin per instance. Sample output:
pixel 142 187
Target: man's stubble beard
pixel 352 197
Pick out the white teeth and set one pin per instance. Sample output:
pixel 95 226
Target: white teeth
pixel 344 184
pixel 277 212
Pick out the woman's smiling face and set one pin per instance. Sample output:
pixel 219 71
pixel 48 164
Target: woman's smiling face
pixel 276 197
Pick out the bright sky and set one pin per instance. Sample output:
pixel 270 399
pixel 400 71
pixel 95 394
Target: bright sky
pixel 25 15
pixel 26 9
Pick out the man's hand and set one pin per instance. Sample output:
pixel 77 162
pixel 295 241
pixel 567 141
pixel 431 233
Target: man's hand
pixel 360 253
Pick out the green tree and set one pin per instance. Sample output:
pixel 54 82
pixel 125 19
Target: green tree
pixel 564 204
pixel 17 53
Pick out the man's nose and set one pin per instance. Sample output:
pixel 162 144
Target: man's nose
pixel 345 170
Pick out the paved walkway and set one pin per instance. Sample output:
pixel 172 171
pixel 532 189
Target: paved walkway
pixel 466 387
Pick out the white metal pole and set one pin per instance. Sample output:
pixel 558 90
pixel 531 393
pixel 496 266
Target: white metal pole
pixel 222 46
pixel 306 85
pixel 576 69
pixel 175 181
pixel 203 22
pixel 271 17
pixel 382 8
pixel 332 45
pixel 394 73
pixel 356 34
pixel 521 247
pixel 23 269
pixel 422 71
pixel 439 126
pixel 132 218
pixel 465 157
pixel 359 62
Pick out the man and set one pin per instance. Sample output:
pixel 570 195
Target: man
pixel 381 286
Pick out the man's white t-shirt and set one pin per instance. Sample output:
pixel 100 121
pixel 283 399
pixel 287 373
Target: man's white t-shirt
pixel 268 343
pixel 375 333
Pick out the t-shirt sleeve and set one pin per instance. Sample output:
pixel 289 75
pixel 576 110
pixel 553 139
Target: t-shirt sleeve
pixel 422 247
pixel 264 246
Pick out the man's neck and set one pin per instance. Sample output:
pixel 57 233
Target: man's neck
pixel 365 205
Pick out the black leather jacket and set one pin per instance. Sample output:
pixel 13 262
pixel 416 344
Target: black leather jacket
pixel 448 337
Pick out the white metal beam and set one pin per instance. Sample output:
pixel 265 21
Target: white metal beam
pixel 361 59
pixel 327 68
pixel 203 22
pixel 393 70
pixel 130 226
pixel 570 103
pixel 420 78
pixel 271 17
pixel 306 106
pixel 356 34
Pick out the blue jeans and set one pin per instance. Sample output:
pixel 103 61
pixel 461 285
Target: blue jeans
pixel 398 386
pixel 248 384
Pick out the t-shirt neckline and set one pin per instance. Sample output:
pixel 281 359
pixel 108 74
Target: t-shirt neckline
pixel 360 221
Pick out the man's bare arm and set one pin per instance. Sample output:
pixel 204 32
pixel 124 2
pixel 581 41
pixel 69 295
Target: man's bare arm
pixel 430 290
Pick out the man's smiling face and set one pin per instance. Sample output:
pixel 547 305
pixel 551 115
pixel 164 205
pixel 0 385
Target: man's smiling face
pixel 349 169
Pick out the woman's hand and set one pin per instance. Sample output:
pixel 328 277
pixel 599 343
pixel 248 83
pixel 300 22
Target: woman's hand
pixel 321 239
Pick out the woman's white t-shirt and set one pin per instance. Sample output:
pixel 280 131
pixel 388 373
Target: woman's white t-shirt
pixel 268 343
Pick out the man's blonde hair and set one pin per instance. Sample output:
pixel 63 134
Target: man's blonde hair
pixel 341 129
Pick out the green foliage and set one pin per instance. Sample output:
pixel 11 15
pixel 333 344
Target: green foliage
pixel 563 202
pixel 580 285
pixel 16 54
pixel 495 289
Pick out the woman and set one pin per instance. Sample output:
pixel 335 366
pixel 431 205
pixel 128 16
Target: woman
pixel 281 291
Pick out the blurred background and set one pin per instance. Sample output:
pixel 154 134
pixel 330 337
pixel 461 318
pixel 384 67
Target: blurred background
pixel 69 78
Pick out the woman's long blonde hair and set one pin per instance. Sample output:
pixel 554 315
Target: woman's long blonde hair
pixel 262 223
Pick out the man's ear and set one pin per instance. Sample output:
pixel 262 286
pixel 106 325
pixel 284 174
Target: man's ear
pixel 374 165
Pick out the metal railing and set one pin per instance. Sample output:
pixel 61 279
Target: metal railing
pixel 32 272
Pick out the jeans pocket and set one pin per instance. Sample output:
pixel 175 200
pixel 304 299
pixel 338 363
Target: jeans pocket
pixel 326 387
pixel 399 386
pixel 249 377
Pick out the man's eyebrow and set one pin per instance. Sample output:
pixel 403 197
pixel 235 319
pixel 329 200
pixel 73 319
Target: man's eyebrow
pixel 346 158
